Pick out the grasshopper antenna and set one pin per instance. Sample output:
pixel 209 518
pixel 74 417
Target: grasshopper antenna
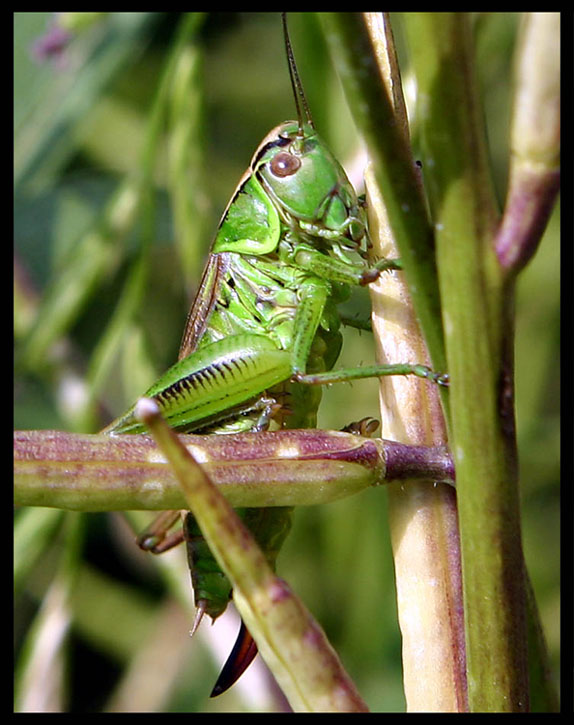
pixel 298 93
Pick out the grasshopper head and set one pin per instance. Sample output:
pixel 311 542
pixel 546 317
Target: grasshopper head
pixel 307 183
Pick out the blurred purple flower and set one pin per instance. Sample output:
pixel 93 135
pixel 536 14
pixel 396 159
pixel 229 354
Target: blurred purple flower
pixel 51 46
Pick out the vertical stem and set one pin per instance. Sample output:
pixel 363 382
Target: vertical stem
pixel 422 517
pixel 478 321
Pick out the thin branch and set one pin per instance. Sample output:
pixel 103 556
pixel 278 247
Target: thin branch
pixel 534 178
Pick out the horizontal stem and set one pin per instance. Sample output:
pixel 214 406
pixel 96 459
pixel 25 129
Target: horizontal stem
pixel 284 468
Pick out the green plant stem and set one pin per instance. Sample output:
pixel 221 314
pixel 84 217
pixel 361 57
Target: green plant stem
pixel 478 321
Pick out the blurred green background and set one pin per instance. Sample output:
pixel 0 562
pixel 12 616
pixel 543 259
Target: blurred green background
pixel 106 213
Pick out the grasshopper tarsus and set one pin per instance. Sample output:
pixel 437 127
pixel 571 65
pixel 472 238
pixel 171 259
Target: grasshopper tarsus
pixel 156 538
pixel 365 427
pixel 442 379
pixel 374 272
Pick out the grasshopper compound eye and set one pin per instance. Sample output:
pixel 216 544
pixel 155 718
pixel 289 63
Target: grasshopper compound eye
pixel 284 164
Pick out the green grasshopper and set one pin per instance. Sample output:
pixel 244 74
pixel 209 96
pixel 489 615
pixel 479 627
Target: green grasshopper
pixel 264 329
